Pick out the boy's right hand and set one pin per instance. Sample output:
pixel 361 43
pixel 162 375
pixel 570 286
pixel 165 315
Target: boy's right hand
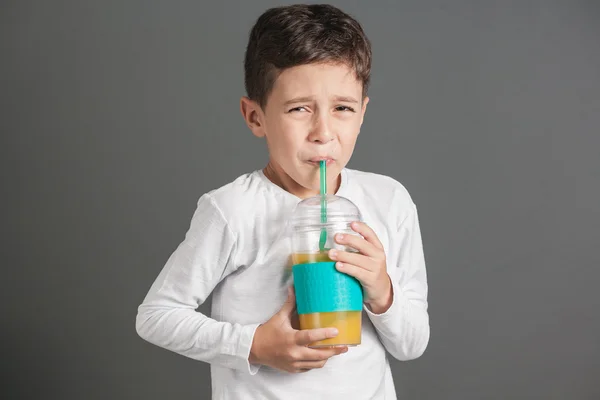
pixel 278 345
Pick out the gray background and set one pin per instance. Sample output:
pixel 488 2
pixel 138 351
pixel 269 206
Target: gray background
pixel 117 116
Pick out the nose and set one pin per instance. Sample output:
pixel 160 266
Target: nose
pixel 321 131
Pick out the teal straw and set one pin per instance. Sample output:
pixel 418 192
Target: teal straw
pixel 323 238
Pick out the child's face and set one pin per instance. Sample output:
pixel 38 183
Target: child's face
pixel 314 112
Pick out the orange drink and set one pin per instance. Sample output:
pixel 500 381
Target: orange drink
pixel 348 323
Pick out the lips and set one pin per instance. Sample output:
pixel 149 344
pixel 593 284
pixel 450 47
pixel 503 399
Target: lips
pixel 317 160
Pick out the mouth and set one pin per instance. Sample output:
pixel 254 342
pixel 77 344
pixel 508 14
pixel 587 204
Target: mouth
pixel 317 161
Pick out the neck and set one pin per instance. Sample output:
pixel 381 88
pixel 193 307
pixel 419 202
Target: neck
pixel 276 175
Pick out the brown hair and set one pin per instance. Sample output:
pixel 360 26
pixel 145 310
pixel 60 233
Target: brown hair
pixel 289 36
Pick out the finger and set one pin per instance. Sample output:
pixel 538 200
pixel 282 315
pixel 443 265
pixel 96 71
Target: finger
pixel 368 233
pixel 321 354
pixel 308 336
pixel 288 308
pixel 358 243
pixel 304 366
pixel 359 273
pixel 346 257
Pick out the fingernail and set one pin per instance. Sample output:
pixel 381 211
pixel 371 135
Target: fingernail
pixel 340 237
pixel 333 331
pixel 333 253
pixel 339 265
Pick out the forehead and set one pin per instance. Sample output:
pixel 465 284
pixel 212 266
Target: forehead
pixel 315 80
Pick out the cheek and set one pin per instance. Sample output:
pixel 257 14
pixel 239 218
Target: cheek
pixel 286 139
pixel 348 141
pixel 350 134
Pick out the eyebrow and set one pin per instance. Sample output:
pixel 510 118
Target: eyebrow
pixel 305 99
pixel 295 100
pixel 346 99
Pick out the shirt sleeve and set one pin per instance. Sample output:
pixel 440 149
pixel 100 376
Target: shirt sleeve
pixel 167 316
pixel 404 327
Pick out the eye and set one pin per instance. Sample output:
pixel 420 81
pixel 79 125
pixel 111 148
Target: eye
pixel 298 109
pixel 344 108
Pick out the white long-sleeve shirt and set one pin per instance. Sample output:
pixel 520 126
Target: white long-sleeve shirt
pixel 237 247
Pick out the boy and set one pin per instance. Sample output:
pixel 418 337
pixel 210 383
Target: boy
pixel 306 71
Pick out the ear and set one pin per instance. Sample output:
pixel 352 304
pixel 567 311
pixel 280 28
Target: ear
pixel 364 109
pixel 253 115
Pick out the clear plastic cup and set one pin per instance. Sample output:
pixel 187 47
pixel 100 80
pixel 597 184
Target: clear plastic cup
pixel 325 297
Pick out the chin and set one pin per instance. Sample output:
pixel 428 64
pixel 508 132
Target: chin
pixel 309 184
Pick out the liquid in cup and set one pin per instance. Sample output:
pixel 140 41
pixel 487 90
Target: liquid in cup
pixel 348 323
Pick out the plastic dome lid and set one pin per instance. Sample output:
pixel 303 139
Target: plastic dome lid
pixel 339 210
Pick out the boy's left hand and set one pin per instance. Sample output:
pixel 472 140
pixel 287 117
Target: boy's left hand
pixel 368 266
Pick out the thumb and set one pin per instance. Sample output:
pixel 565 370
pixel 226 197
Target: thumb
pixel 289 306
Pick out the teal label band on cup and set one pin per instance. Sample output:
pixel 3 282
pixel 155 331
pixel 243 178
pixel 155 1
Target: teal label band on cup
pixel 321 288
